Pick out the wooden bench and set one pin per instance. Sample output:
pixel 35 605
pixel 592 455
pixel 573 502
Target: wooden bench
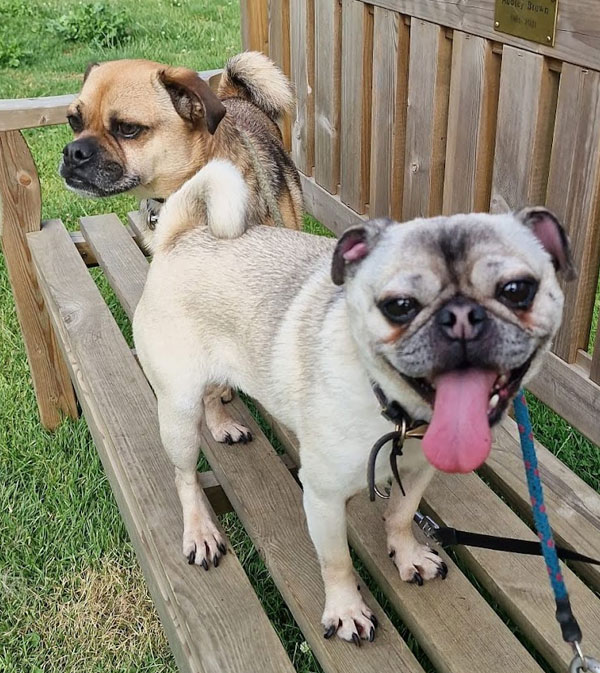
pixel 400 112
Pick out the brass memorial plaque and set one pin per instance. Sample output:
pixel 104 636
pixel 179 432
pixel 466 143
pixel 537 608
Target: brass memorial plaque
pixel 533 20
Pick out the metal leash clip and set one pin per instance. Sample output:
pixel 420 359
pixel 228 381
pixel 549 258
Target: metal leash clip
pixel 581 663
pixel 427 525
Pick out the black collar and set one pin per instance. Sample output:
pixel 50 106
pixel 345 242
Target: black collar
pixel 392 410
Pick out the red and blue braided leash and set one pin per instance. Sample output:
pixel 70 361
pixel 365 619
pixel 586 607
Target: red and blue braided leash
pixel 570 628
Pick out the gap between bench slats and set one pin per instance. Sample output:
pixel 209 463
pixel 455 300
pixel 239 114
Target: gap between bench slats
pixel 257 483
pixel 200 611
pixel 436 608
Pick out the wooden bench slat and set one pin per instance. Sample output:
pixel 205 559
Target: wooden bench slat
pixel 471 125
pixel 357 50
pixel 388 121
pixel 302 71
pixel 574 506
pixel 440 615
pixel 523 134
pixel 200 611
pixel 574 195
pixel 426 121
pixel 327 93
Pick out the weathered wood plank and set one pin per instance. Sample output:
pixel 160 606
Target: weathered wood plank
pixel 574 506
pixel 388 120
pixel 255 25
pixel 595 370
pixel 457 647
pixel 577 30
pixel 21 213
pixel 574 195
pixel 279 51
pixel 471 125
pixel 355 121
pixel 119 257
pixel 269 503
pixel 197 608
pixel 520 585
pixel 327 93
pixel 302 32
pixel 524 131
pixel 426 121
pixel 326 208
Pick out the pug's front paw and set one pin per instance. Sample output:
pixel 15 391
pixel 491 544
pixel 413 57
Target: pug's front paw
pixel 347 615
pixel 415 562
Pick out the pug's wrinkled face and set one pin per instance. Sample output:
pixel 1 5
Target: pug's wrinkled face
pixel 460 309
pixel 139 126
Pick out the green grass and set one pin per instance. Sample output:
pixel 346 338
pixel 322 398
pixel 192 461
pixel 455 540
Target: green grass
pixel 72 597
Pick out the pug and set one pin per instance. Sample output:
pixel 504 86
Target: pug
pixel 448 316
pixel 146 128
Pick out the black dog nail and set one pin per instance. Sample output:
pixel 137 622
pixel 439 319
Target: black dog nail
pixel 204 564
pixel 330 631
pixel 375 621
pixel 356 639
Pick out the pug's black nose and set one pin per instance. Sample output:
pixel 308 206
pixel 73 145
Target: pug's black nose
pixel 462 319
pixel 79 152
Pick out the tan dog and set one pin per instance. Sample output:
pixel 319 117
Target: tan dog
pixel 146 128
pixel 449 316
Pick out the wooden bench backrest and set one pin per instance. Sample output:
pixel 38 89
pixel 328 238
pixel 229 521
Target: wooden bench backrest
pixel 414 108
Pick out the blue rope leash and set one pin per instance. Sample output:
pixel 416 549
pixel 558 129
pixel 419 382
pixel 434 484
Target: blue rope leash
pixel 564 615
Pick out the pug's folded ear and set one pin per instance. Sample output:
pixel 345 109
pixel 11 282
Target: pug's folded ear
pixel 550 233
pixel 355 244
pixel 193 99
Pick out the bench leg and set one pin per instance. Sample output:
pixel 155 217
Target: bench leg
pixel 21 214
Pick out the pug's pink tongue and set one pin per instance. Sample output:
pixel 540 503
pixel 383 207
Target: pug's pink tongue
pixel 459 438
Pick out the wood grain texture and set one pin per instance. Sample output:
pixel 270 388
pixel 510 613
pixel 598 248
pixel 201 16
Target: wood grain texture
pixel 269 503
pixel 197 608
pixel 21 210
pixel 328 209
pixel 388 116
pixel 574 506
pixel 302 29
pixel 472 110
pixel 574 196
pixel 426 121
pixel 255 25
pixel 595 370
pixel 328 44
pixel 124 266
pixel 355 120
pixel 577 32
pixel 568 390
pixel 518 583
pixel 447 610
pixel 524 131
pixel 279 52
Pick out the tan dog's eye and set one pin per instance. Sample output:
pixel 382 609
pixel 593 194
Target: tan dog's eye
pixel 127 130
pixel 517 294
pixel 75 122
pixel 400 310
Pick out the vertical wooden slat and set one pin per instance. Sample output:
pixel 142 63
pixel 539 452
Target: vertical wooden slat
pixel 471 125
pixel 20 214
pixel 595 371
pixel 427 115
pixel 327 93
pixel 574 195
pixel 279 50
pixel 388 117
pixel 255 25
pixel 523 134
pixel 357 53
pixel 302 65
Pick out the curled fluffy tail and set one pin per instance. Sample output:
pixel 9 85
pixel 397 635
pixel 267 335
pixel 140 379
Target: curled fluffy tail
pixel 216 198
pixel 253 76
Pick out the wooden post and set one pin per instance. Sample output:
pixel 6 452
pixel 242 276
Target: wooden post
pixel 255 25
pixel 21 214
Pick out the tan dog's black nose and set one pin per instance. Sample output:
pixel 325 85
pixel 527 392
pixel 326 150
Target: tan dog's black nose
pixel 79 152
pixel 462 319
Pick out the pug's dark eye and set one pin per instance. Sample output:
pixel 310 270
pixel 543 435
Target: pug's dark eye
pixel 75 122
pixel 400 310
pixel 127 130
pixel 517 294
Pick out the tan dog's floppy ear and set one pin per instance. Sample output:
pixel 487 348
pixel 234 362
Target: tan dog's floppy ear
pixel 192 97
pixel 88 70
pixel 355 244
pixel 550 233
